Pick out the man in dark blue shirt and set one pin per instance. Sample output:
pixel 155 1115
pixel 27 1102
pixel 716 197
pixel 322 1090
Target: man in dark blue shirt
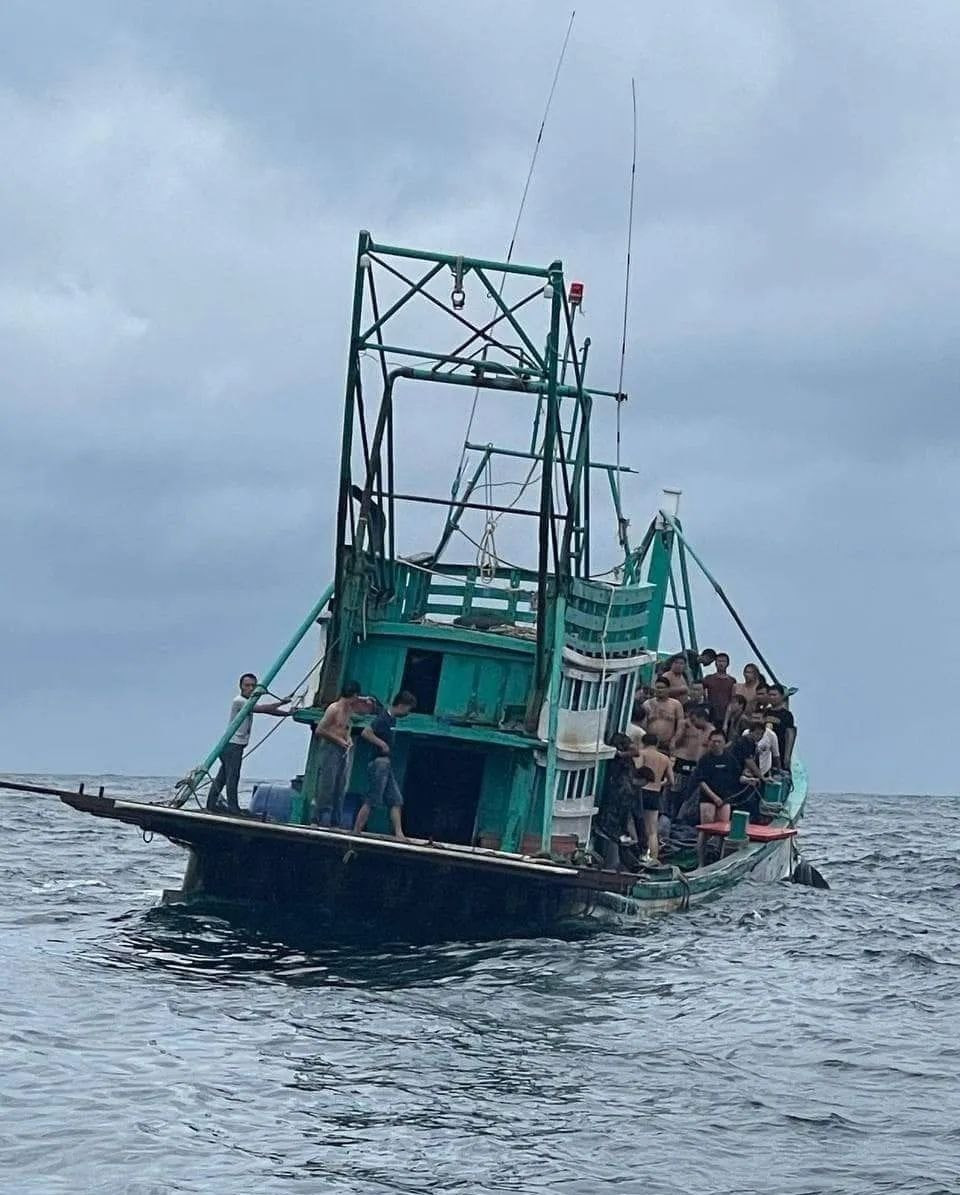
pixel 383 788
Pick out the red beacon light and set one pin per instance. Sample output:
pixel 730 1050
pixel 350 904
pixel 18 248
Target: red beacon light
pixel 576 294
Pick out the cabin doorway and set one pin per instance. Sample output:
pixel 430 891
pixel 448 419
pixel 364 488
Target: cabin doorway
pixel 441 792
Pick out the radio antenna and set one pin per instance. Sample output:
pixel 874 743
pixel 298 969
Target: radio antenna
pixel 621 397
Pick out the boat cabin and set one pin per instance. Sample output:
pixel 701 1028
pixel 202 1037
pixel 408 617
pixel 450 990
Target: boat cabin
pixel 473 768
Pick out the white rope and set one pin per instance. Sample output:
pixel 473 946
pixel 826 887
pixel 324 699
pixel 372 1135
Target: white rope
pixel 487 561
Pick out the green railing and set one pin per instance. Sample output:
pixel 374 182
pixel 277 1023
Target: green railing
pixel 599 619
pixel 457 592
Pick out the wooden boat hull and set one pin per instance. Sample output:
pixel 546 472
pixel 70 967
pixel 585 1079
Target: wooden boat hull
pixel 341 884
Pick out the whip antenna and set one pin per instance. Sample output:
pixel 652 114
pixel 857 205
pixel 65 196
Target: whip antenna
pixel 621 397
pixel 626 285
pixel 536 148
pixel 516 228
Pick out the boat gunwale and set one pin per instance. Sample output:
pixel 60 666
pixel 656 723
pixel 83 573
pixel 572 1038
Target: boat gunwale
pixel 630 886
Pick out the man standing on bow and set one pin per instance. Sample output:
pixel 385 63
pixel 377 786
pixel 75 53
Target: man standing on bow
pixel 231 757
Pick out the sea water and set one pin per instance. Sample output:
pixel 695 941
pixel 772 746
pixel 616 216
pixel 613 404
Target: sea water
pixel 780 1040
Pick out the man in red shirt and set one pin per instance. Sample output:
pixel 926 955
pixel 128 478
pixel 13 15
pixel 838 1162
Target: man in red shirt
pixel 718 687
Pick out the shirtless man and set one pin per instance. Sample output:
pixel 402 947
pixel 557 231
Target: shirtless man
pixel 661 774
pixel 676 678
pixel 690 747
pixel 664 715
pixel 693 738
pixel 335 751
pixel 747 689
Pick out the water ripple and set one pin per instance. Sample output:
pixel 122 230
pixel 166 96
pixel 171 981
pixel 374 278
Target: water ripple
pixel 781 1040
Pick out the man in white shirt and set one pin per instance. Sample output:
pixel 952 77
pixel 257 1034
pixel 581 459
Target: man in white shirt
pixel 768 751
pixel 231 757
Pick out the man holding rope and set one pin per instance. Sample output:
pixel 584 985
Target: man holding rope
pixel 231 757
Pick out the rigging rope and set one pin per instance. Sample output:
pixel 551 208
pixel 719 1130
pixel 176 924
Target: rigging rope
pixel 513 238
pixel 487 561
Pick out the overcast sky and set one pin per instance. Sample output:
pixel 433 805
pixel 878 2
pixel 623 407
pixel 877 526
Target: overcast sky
pixel 181 189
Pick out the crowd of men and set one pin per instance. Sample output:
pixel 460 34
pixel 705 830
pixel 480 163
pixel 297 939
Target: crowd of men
pixel 334 757
pixel 699 745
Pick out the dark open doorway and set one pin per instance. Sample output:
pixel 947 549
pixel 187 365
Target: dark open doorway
pixel 441 791
pixel 421 677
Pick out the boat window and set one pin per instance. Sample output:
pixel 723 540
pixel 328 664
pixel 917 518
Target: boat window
pixel 421 677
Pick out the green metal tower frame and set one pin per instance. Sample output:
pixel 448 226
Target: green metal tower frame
pixel 505 353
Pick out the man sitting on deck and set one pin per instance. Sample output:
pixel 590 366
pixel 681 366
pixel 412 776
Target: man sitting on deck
pixel 335 751
pixel 231 757
pixel 383 788
pixel 717 781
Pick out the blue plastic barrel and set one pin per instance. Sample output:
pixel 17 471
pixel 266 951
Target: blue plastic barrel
pixel 273 802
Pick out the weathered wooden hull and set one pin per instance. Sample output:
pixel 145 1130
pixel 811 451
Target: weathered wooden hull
pixel 339 883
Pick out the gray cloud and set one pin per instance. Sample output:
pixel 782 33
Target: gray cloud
pixel 183 187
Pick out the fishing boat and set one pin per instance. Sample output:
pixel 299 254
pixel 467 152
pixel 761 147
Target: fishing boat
pixel 522 671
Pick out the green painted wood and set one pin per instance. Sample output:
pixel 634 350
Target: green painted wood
pixel 448 637
pixel 460 611
pixel 556 676
pixel 482 591
pixel 625 643
pixel 658 576
pixel 476 687
pixel 631 620
pixel 430 726
pixel 583 590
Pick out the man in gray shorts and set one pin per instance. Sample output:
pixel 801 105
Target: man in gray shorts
pixel 383 789
pixel 335 753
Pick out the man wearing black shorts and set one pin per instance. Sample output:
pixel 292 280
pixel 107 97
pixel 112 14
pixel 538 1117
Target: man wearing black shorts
pixel 716 781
